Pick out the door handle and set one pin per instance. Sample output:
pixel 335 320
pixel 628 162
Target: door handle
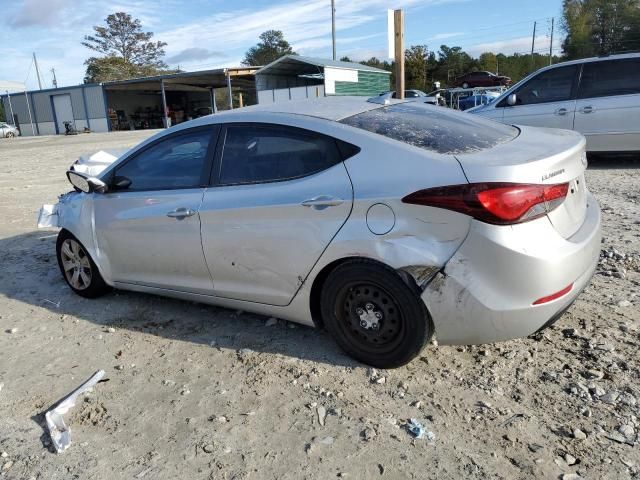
pixel 587 109
pixel 561 111
pixel 321 202
pixel 181 213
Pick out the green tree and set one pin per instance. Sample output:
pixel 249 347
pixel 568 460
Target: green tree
pixel 600 27
pixel 272 46
pixel 377 63
pixel 488 61
pixel 127 50
pixel 416 67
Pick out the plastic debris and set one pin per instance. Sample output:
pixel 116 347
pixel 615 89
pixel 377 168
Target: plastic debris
pixel 48 216
pixel 418 431
pixel 59 432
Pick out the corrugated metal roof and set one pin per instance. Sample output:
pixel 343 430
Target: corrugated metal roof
pixel 291 65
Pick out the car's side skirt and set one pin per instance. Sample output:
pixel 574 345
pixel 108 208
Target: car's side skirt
pixel 286 313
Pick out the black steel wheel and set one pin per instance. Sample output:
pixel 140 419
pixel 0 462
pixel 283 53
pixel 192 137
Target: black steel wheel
pixel 374 315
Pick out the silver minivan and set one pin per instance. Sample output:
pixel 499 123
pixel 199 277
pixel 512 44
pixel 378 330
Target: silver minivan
pixel 598 97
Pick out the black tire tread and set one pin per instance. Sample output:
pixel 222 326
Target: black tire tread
pixel 407 297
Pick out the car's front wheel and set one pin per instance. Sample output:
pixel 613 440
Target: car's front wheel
pixel 78 268
pixel 10 135
pixel 374 315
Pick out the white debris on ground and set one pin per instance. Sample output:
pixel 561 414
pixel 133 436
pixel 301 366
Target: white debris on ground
pixel 564 404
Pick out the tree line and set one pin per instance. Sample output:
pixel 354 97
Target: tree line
pixel 591 27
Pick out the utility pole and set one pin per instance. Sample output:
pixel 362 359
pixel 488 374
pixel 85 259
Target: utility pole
pixel 333 27
pixel 55 81
pixel 398 22
pixel 533 44
pixel 551 44
pixel 35 61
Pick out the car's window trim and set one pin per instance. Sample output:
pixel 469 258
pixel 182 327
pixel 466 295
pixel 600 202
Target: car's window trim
pixel 214 135
pixel 572 96
pixel 216 172
pixel 611 60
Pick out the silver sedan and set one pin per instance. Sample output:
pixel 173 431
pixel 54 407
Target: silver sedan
pixel 385 222
pixel 8 131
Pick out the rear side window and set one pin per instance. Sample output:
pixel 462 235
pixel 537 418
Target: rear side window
pixel 610 77
pixel 270 153
pixel 554 85
pixel 433 128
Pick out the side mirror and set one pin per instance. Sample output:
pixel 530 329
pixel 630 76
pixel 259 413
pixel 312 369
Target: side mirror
pixel 85 183
pixel 512 100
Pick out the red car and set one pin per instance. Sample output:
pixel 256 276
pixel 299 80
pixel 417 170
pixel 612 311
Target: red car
pixel 481 79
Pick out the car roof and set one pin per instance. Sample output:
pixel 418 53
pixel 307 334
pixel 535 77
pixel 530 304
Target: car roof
pixel 603 58
pixel 328 108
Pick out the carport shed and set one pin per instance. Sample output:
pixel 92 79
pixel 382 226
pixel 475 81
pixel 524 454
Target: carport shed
pixel 294 77
pixel 140 103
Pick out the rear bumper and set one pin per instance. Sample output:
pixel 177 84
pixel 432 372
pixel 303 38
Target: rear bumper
pixel 487 290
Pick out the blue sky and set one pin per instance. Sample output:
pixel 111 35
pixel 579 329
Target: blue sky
pixel 215 33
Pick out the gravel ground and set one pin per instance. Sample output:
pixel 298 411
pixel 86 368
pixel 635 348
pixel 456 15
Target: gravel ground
pixel 201 392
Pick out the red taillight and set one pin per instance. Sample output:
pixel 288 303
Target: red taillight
pixel 497 203
pixel 553 296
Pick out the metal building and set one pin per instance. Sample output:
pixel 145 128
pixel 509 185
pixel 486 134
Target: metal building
pixel 295 77
pixel 165 100
pixel 140 103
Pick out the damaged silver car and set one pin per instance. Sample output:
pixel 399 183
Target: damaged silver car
pixel 384 222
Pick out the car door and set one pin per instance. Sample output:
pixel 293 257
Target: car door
pixel 148 232
pixel 608 105
pixel 280 195
pixel 546 100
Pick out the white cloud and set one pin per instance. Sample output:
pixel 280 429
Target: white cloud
pixel 306 24
pixel 37 12
pixel 510 46
pixel 443 36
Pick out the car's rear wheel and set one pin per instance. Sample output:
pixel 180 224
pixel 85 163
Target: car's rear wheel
pixel 10 135
pixel 78 268
pixel 374 315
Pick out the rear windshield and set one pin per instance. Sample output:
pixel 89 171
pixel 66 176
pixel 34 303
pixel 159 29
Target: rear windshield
pixel 438 129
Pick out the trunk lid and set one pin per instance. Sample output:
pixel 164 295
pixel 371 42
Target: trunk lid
pixel 538 156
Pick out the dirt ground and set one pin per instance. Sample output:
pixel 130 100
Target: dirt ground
pixel 201 392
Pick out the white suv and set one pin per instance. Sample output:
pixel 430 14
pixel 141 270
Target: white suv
pixel 598 97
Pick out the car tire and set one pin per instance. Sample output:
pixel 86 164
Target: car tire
pixel 373 315
pixel 78 268
pixel 465 85
pixel 10 135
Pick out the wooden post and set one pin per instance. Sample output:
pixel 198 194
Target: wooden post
pixel 398 23
pixel 240 101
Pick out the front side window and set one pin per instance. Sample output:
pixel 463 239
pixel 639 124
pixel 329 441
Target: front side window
pixel 554 85
pixel 610 77
pixel 433 128
pixel 271 153
pixel 175 162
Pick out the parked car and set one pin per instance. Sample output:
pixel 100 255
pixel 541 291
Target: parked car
pixel 383 222
pixel 471 101
pixel 481 79
pixel 8 131
pixel 598 97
